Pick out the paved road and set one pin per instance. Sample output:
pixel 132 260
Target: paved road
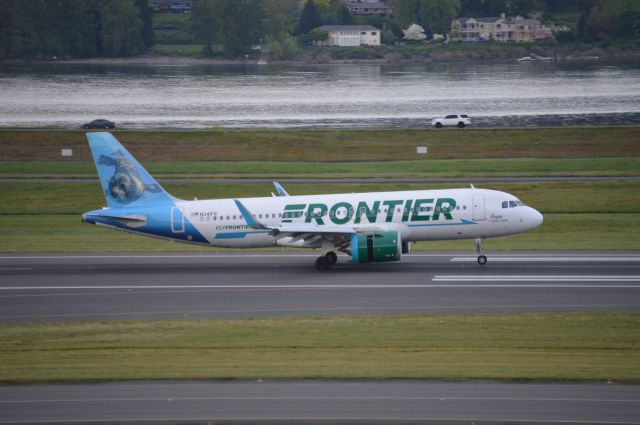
pixel 321 402
pixel 166 286
pixel 464 180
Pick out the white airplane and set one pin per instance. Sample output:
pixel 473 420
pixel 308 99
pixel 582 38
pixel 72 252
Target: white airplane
pixel 369 227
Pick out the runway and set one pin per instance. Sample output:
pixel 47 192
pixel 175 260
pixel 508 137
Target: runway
pixel 326 402
pixel 39 288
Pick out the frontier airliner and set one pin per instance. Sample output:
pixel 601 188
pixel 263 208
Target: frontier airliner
pixel 369 227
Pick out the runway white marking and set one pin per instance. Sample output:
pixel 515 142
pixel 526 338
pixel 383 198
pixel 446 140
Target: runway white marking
pixel 588 259
pixel 337 286
pixel 262 418
pixel 534 278
pixel 354 398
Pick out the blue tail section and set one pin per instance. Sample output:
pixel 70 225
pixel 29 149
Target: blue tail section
pixel 124 181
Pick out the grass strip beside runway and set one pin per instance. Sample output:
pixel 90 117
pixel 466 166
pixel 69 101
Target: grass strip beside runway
pixel 610 197
pixel 531 346
pixel 332 145
pixel 424 168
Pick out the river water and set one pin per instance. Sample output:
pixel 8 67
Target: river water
pixel 320 96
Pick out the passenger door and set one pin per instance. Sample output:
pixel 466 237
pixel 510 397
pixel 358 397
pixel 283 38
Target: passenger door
pixel 478 208
pixel 177 220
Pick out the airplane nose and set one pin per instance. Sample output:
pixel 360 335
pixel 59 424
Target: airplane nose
pixel 536 218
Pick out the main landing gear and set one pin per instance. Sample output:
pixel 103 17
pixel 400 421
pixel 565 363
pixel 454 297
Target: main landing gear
pixel 482 260
pixel 326 261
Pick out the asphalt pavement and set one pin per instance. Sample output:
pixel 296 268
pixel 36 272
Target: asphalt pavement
pixel 321 402
pixel 240 284
pixel 60 287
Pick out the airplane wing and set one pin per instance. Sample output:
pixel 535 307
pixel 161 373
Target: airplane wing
pixel 312 228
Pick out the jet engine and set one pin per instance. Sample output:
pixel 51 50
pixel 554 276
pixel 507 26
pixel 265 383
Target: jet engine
pixel 376 247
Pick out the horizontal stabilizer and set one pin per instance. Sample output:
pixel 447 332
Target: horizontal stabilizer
pixel 130 220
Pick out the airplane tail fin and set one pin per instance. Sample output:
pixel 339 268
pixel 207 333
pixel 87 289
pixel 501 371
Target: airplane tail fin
pixel 124 181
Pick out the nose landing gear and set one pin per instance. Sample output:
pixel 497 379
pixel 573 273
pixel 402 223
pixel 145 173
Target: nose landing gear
pixel 482 260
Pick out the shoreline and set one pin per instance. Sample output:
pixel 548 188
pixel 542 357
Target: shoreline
pixel 162 60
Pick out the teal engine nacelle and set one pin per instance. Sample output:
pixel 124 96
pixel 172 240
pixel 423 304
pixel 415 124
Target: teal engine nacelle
pixel 376 247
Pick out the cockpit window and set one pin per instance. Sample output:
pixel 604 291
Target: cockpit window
pixel 520 204
pixel 505 204
pixel 512 204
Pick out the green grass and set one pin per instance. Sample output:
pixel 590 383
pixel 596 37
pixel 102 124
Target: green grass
pixel 425 168
pixel 550 197
pixel 190 50
pixel 549 346
pixel 333 145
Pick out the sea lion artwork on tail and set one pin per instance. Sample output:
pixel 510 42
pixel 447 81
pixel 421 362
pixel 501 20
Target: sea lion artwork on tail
pixel 125 185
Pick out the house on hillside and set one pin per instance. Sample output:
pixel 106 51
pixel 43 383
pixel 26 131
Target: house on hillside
pixel 350 35
pixel 368 7
pixel 173 6
pixel 499 28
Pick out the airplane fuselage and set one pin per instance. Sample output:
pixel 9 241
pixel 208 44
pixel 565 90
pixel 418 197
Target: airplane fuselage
pixel 369 227
pixel 416 215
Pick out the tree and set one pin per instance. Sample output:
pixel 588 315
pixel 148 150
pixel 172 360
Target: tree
pixel 240 27
pixel 627 26
pixel 120 28
pixel 282 47
pixel 204 22
pixel 148 36
pixel 405 12
pixel 318 35
pixel 73 28
pixel 494 7
pixel 309 18
pixel 414 33
pixel 343 15
pixel 471 8
pixel 279 17
pixel 436 15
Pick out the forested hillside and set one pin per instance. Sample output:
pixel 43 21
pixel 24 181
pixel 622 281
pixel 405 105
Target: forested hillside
pixel 62 29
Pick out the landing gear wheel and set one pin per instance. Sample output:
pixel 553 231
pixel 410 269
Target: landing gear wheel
pixel 332 257
pixel 482 260
pixel 323 263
